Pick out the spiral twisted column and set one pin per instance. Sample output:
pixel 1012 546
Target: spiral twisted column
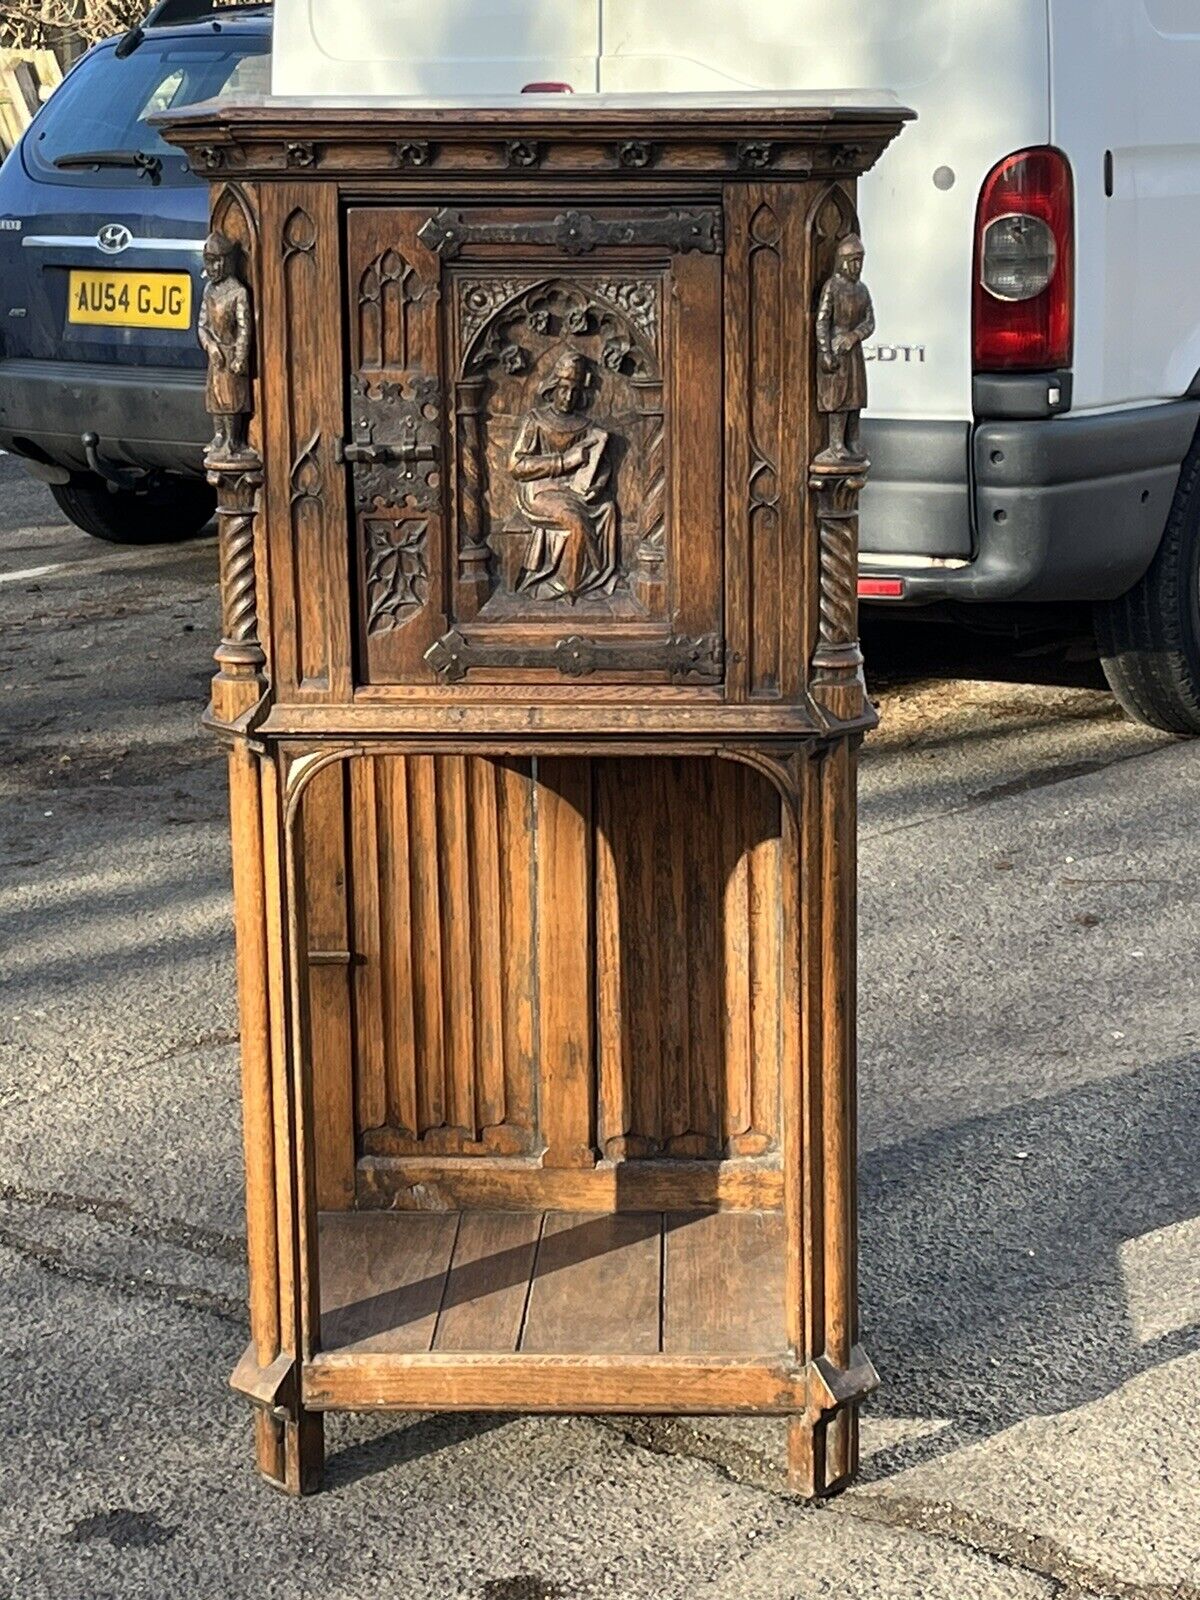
pixel 474 557
pixel 648 575
pixel 837 665
pixel 239 655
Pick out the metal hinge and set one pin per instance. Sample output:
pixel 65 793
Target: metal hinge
pixel 395 441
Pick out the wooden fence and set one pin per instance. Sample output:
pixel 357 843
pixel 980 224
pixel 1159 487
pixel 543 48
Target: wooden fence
pixel 27 78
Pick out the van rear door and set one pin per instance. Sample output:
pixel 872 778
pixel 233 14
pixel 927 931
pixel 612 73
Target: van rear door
pixel 976 71
pixel 977 74
pixel 451 49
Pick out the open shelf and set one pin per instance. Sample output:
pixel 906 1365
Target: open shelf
pixel 554 1283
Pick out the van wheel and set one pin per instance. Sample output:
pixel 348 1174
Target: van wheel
pixel 1149 639
pixel 177 510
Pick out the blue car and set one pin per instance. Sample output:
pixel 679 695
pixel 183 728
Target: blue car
pixel 101 232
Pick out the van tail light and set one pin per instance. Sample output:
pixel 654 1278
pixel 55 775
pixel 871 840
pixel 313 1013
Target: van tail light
pixel 1024 294
pixel 881 588
pixel 547 88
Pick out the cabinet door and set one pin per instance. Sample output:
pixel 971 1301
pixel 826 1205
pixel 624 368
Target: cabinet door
pixel 534 440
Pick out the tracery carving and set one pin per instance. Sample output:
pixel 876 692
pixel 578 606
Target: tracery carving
pixel 388 289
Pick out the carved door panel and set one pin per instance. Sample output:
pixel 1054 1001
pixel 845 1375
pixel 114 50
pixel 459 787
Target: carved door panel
pixel 534 443
pixel 396 440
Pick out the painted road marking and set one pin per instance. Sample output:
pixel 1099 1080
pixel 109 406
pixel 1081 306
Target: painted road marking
pixel 132 558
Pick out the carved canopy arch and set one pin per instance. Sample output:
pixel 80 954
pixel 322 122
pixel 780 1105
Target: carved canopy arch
pixel 509 324
pixel 830 218
pixel 233 215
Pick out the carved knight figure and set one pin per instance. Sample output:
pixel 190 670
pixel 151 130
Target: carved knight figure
pixel 226 331
pixel 844 319
pixel 564 489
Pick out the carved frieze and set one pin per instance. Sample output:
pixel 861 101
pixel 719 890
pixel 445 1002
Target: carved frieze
pixel 414 153
pixel 755 155
pixel 522 152
pixel 635 153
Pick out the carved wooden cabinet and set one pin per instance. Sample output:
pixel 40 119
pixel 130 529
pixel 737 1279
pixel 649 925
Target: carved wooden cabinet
pixel 542 693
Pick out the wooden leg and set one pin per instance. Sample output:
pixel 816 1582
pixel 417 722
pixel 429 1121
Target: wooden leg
pixel 822 1454
pixel 288 1449
pixel 304 1453
pixel 291 1455
pixel 823 1444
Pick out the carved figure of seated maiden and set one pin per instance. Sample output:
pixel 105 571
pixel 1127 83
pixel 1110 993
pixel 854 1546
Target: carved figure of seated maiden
pixel 564 489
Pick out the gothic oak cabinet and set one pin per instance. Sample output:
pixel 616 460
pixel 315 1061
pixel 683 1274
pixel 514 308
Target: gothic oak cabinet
pixel 536 442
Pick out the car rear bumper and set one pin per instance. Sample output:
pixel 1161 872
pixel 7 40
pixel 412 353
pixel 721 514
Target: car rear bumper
pixel 1065 508
pixel 145 416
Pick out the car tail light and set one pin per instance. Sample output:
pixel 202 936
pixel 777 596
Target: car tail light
pixel 547 88
pixel 1025 264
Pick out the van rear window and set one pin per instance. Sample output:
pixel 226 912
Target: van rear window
pixel 103 107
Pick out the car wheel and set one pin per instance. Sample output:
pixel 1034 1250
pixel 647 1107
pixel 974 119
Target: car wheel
pixel 177 510
pixel 1149 639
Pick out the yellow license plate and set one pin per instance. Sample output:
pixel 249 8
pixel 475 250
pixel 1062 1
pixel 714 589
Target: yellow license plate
pixel 131 299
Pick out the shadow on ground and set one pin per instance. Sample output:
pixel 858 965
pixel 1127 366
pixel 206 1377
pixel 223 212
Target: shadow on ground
pixel 993 1282
pixel 1057 650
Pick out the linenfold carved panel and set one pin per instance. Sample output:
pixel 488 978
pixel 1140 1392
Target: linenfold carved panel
pixel 419 891
pixel 438 916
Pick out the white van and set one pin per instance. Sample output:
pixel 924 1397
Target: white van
pixel 1036 370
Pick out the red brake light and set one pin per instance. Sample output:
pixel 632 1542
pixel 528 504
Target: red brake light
pixel 1024 287
pixel 881 589
pixel 547 88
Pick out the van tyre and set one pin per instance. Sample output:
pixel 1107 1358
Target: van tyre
pixel 1149 639
pixel 177 510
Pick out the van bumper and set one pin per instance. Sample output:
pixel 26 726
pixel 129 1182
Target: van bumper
pixel 145 416
pixel 1056 509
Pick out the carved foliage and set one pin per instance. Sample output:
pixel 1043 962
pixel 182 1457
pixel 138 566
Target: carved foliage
pixel 613 321
pixel 397 570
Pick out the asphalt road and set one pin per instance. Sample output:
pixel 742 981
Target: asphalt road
pixel 1030 1178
